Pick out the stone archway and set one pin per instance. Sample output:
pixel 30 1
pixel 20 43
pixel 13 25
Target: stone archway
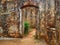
pixel 29 12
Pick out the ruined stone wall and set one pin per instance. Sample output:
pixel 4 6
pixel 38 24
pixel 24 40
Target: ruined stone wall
pixel 57 7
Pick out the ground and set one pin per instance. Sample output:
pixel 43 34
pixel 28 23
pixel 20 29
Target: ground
pixel 28 40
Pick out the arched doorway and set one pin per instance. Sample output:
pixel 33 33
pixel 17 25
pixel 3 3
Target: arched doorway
pixel 29 13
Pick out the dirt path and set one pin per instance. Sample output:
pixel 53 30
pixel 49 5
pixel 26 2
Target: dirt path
pixel 28 40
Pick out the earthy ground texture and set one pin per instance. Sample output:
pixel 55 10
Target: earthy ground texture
pixel 28 40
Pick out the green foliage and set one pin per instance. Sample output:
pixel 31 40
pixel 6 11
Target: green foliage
pixel 26 27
